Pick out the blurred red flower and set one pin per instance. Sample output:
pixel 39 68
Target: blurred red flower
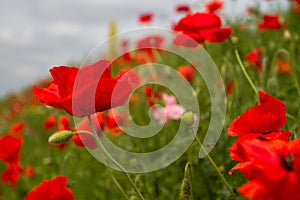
pixel 50 190
pixel 10 149
pixel 183 8
pixel 271 22
pixel 49 122
pixel 229 87
pixel 146 45
pixel 187 72
pixel 93 90
pixel 266 117
pixel 63 123
pixel 112 120
pixel 213 6
pixel 151 95
pixel 296 7
pixel 16 129
pixel 29 171
pixel 151 41
pixel 11 174
pixel 283 66
pixel 198 27
pixel 145 17
pixel 82 140
pixel 273 164
pixel 254 57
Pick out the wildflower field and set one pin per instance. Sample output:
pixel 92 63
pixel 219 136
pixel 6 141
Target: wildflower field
pixel 207 108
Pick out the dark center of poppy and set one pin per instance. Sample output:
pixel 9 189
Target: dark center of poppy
pixel 288 162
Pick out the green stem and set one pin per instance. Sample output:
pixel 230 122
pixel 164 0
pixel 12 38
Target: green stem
pixel 214 165
pixel 292 59
pixel 83 132
pixel 290 116
pixel 237 55
pixel 118 184
pixel 114 161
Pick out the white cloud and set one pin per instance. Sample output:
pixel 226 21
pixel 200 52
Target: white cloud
pixel 63 29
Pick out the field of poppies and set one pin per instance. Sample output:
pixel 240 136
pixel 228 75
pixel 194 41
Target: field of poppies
pixel 234 136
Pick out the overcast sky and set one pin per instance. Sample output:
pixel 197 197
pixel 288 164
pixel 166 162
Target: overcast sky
pixel 38 34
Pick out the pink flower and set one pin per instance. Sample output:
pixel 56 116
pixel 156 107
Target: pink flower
pixel 171 111
pixel 166 113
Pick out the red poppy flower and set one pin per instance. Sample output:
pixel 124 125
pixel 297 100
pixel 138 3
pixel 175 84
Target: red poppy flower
pixel 50 190
pixel 200 27
pixel 213 6
pixel 126 56
pixel 17 128
pixel 296 7
pixel 183 8
pixel 271 22
pixel 151 96
pixel 187 72
pixel 146 46
pixel 11 174
pixel 63 123
pixel 145 17
pixel 10 148
pixel 283 66
pixel 151 41
pixel 82 92
pixel 236 153
pixel 216 34
pixel 49 122
pixel 255 58
pixel 16 107
pixel 229 87
pixel 274 164
pixel 82 140
pixel 265 118
pixel 112 122
pixel 29 171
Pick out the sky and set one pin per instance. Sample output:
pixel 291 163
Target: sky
pixel 36 35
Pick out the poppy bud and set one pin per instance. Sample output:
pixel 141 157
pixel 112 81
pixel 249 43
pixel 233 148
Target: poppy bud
pixel 188 118
pixel 60 137
pixel 185 188
pixel 234 40
pixel 287 35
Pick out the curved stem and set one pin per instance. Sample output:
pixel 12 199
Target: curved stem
pixel 83 132
pixel 114 161
pixel 237 55
pixel 293 68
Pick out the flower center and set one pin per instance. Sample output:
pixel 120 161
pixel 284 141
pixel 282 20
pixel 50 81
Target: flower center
pixel 288 162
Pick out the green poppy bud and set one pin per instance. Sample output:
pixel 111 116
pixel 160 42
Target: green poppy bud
pixel 188 118
pixel 60 137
